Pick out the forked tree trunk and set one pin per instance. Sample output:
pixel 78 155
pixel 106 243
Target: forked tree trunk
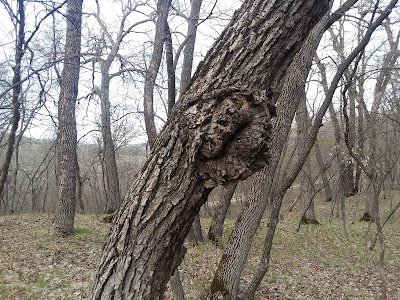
pixel 67 135
pixel 217 133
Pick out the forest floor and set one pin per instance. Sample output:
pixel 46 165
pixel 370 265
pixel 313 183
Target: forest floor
pixel 316 262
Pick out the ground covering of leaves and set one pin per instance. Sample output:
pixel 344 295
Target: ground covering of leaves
pixel 317 262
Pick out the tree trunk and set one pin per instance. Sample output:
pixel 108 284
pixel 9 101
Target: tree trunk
pixel 188 51
pixel 79 186
pixel 151 74
pixel 169 58
pixel 67 135
pixel 195 235
pixel 176 286
pixel 274 217
pixel 322 168
pixel 16 91
pixel 217 223
pixel 306 181
pixel 360 145
pixel 110 164
pixel 217 133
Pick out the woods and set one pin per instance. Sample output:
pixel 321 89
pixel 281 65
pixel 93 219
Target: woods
pixel 293 100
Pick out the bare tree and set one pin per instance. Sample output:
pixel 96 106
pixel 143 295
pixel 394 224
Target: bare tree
pixel 67 134
pixel 106 52
pixel 16 90
pixel 307 191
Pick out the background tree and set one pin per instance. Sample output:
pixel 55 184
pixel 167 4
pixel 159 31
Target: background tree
pixel 67 134
pixel 27 69
pixel 106 52
pixel 16 91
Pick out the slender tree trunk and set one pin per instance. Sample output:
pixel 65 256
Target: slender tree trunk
pixel 67 135
pixel 218 132
pixel 110 164
pixel 169 58
pixel 286 108
pixel 16 91
pixel 306 180
pixel 188 51
pixel 322 168
pixel 79 185
pixel 217 223
pixel 176 286
pixel 151 74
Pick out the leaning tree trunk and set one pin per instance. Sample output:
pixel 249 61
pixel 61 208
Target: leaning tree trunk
pixel 217 133
pixel 67 135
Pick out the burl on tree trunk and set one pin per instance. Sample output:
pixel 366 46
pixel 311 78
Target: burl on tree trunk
pixel 217 132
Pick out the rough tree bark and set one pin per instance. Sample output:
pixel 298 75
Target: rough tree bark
pixel 218 132
pixel 67 135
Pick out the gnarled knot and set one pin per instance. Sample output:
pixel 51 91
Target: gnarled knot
pixel 233 143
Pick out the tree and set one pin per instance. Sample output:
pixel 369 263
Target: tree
pixel 217 132
pixel 67 134
pixel 16 90
pixel 306 182
pixel 217 224
pixel 25 71
pixel 151 74
pixel 111 44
